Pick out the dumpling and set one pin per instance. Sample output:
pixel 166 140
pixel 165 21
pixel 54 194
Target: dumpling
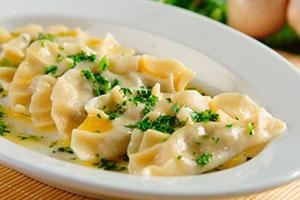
pixel 235 105
pixel 5 35
pixel 109 46
pixel 99 134
pixel 7 73
pixel 69 95
pixel 192 99
pixel 201 147
pixel 14 51
pixel 57 30
pixel 140 141
pixel 39 55
pixel 163 69
pixel 32 29
pixel 40 104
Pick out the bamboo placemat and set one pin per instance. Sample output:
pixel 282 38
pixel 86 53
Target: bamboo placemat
pixel 17 186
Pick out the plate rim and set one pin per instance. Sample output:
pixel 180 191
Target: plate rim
pixel 284 179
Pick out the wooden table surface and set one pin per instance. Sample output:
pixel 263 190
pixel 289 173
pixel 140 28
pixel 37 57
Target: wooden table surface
pixel 16 186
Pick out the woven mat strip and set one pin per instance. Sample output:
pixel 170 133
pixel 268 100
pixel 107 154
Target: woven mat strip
pixel 17 186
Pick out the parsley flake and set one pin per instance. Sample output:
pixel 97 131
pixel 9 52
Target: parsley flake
pixel 43 36
pixel 82 56
pixel 175 108
pixel 126 91
pixel 250 128
pixel 204 116
pixel 3 126
pixel 143 95
pixel 50 70
pixel 29 137
pixel 100 84
pixel 103 63
pixel 110 165
pixel 65 149
pixel 164 123
pixel 204 159
pixel 229 125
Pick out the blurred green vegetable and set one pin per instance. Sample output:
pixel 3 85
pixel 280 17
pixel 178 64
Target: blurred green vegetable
pixel 215 9
pixel 285 39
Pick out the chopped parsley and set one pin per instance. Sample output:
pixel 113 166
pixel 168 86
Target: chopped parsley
pixel 100 84
pixel 169 100
pixel 126 91
pixel 50 70
pixel 3 126
pixel 175 108
pixel 143 95
pixel 164 123
pixel 2 92
pixel 29 137
pixel 43 36
pixel 250 128
pixel 5 62
pixel 112 115
pixel 115 83
pixel 204 116
pixel 53 144
pixel 65 149
pixel 103 65
pixel 215 140
pixel 59 57
pixel 237 118
pixel 82 56
pixel 110 165
pixel 179 157
pixel 229 125
pixel 204 159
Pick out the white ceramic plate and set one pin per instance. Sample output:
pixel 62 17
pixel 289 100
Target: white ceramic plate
pixel 165 31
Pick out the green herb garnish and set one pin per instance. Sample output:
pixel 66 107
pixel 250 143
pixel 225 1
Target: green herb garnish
pixel 175 108
pixel 229 125
pixel 3 126
pixel 43 36
pixel 112 115
pixel 115 83
pixel 179 157
pixel 126 91
pixel 65 149
pixel 164 123
pixel 103 64
pixel 100 84
pixel 50 70
pixel 143 95
pixel 29 137
pixel 110 165
pixel 2 92
pixel 169 100
pixel 204 116
pixel 204 159
pixel 82 56
pixel 5 62
pixel 215 140
pixel 59 57
pixel 53 144
pixel 250 128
